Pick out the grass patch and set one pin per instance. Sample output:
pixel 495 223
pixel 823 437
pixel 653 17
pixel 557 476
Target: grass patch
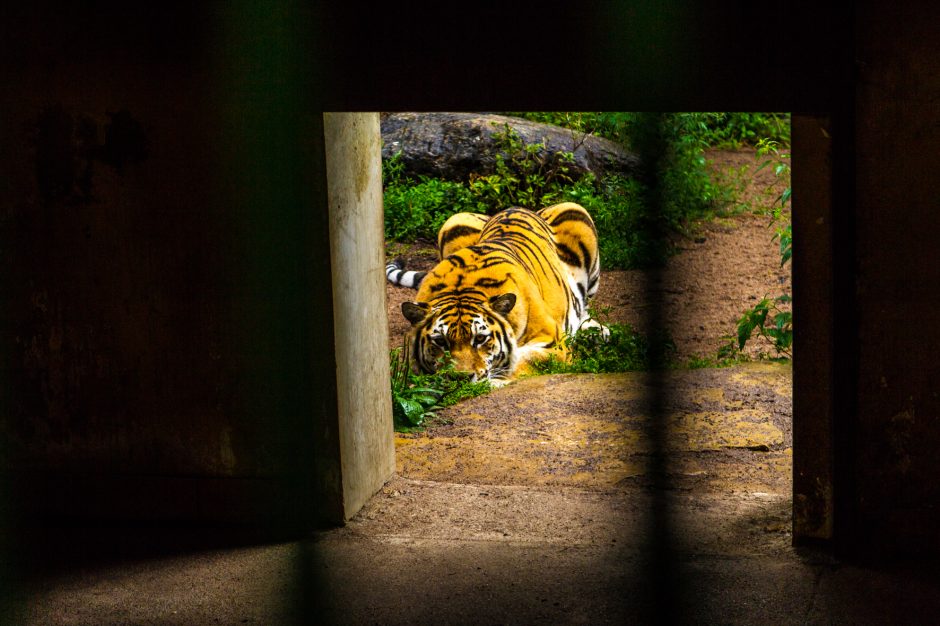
pixel 717 361
pixel 623 350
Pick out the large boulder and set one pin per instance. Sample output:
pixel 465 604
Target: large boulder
pixel 454 145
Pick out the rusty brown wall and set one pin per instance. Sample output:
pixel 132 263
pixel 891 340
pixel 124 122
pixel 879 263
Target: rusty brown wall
pixel 164 261
pixel 896 464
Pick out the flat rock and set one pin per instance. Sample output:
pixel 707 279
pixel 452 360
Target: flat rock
pixel 455 145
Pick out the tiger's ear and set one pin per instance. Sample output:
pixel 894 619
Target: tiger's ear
pixel 415 312
pixel 503 304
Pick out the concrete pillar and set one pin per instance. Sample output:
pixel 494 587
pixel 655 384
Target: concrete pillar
pixel 357 255
pixel 813 316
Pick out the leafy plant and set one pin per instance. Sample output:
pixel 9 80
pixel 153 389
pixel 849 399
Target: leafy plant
pixel 770 321
pixel 417 397
pixel 411 404
pixel 736 129
pixel 418 208
pixel 525 175
pixel 622 350
pixel 783 226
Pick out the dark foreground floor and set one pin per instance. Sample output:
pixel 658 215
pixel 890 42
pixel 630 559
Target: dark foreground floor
pixel 532 505
pixel 612 573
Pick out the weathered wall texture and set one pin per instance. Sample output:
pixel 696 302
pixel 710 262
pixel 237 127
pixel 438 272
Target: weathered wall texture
pixel 164 240
pixel 896 464
pixel 357 249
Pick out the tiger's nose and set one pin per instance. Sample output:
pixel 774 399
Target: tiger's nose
pixel 479 375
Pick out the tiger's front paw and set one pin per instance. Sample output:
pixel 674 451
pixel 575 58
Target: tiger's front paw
pixel 592 323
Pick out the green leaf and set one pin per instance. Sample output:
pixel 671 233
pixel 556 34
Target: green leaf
pixel 425 400
pixel 412 411
pixel 745 328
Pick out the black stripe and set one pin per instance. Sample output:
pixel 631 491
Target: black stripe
pixel 573 215
pixel 567 255
pixel 456 260
pixel 493 261
pixel 490 282
pixel 504 341
pixel 454 233
pixel 588 259
pixel 398 277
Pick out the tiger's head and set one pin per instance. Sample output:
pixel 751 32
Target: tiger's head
pixel 474 331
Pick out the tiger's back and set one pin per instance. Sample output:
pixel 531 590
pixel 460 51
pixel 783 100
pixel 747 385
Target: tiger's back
pixel 506 290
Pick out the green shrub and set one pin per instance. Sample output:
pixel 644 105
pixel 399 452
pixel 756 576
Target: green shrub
pixel 728 130
pixel 737 129
pixel 418 208
pixel 623 350
pixel 525 175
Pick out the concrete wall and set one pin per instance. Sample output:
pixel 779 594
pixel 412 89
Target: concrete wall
pixel 896 494
pixel 357 252
pixel 167 342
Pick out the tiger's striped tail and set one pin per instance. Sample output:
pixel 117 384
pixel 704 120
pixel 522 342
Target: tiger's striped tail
pixel 396 274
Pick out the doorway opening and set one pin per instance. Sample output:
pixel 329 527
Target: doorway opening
pixel 728 432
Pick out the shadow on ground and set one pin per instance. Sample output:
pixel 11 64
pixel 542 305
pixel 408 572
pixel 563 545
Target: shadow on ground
pixel 533 505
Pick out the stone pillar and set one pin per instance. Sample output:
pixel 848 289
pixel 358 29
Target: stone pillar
pixel 357 255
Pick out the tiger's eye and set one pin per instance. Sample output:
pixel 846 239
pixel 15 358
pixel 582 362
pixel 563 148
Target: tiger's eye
pixel 482 340
pixel 439 340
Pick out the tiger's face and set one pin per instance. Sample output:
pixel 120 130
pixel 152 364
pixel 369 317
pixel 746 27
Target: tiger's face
pixel 475 333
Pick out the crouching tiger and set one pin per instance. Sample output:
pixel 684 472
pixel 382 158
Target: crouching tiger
pixel 506 291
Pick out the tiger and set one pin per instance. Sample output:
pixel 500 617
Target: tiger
pixel 505 292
